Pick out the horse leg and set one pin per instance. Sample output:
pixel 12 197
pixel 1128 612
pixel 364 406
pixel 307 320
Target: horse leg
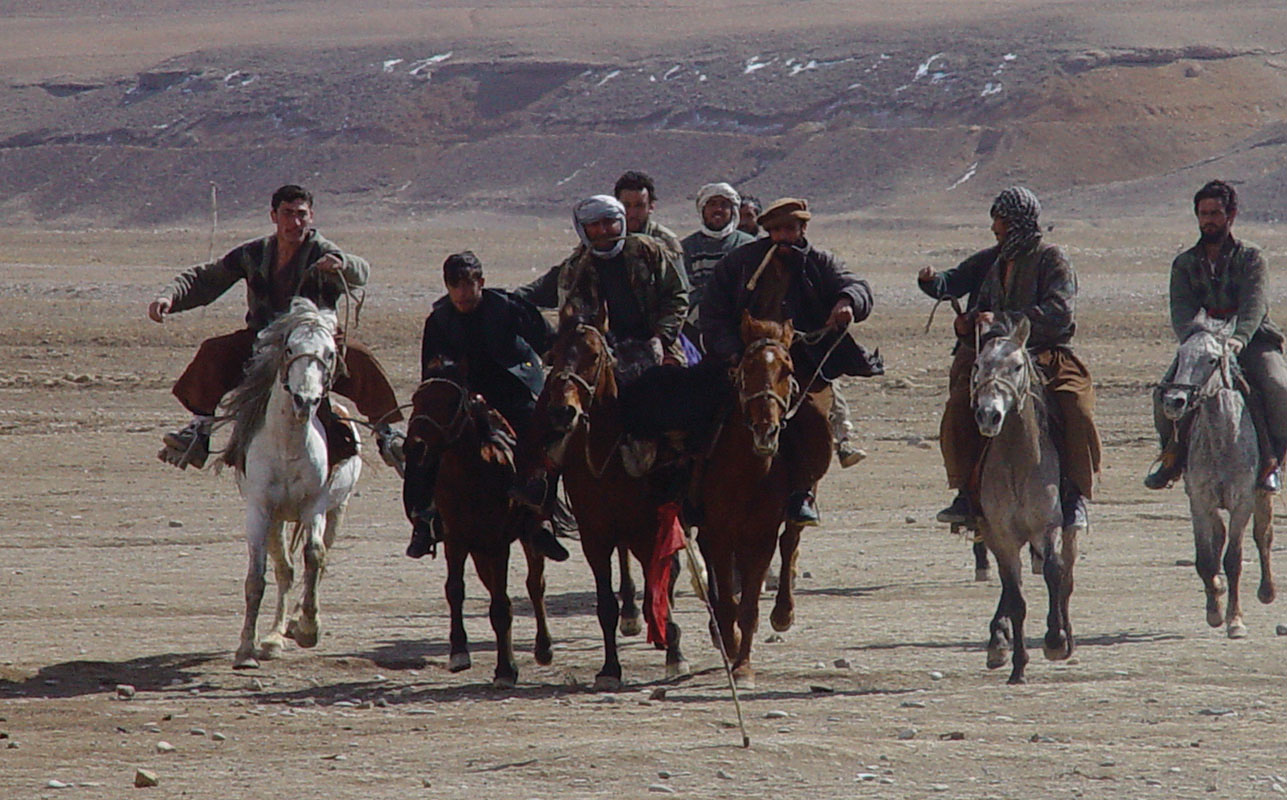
pixel 982 569
pixel 304 630
pixel 257 524
pixel 609 677
pixel 1000 634
pixel 1208 540
pixel 494 571
pixel 543 652
pixel 676 664
pixel 458 660
pixel 1263 532
pixel 1233 571
pixel 1067 559
pixel 631 622
pixel 271 646
pixel 783 614
pixel 1058 641
pixel 748 619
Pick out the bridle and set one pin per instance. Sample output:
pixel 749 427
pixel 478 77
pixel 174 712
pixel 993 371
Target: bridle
pixel 739 379
pixel 602 362
pixel 1196 393
pixel 455 428
pixel 328 371
pixel 1018 389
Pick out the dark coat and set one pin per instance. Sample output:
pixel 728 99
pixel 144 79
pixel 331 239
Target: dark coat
pixel 820 280
pixel 1042 286
pixel 516 336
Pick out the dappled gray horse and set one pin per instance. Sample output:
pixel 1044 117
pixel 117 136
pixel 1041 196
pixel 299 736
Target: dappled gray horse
pixel 1019 494
pixel 1222 466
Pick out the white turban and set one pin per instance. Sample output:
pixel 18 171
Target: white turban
pixel 718 190
pixel 593 209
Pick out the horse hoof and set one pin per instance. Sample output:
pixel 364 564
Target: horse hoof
pixel 996 657
pixel 271 648
pixel 459 662
pixel 982 575
pixel 1267 593
pixel 1016 680
pixel 607 683
pixel 1214 618
pixel 677 669
pixel 1237 630
pixel 631 626
pixel 782 620
pixel 303 635
pixel 744 682
pixel 505 681
pixel 245 662
pixel 543 655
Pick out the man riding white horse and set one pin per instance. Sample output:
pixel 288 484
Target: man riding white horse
pixel 1227 278
pixel 296 261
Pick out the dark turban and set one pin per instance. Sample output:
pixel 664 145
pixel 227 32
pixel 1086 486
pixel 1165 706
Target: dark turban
pixel 1019 207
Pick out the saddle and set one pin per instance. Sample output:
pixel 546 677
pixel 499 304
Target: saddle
pixel 341 441
pixel 499 441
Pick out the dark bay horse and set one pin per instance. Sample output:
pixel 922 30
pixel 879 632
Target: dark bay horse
pixel 579 407
pixel 744 492
pixel 1019 495
pixel 479 520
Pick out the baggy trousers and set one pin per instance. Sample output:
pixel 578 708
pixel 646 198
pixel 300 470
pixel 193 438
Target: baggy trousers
pixel 218 366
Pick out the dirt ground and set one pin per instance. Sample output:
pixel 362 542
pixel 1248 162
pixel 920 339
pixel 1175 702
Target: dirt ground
pixel 115 569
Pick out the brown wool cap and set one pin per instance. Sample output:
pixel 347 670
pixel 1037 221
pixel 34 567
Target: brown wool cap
pixel 785 207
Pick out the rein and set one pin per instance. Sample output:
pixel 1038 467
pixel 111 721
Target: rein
pixel 602 363
pixel 1014 388
pixel 813 337
pixel 1197 393
pixel 328 372
pixel 740 379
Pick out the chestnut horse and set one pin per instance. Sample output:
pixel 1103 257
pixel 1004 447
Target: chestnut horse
pixel 744 492
pixel 579 407
pixel 479 521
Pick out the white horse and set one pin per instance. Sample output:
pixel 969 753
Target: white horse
pixel 1222 466
pixel 278 448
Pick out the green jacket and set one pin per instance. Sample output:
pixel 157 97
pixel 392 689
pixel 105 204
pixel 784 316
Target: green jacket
pixel 654 279
pixel 1042 286
pixel 253 262
pixel 1233 287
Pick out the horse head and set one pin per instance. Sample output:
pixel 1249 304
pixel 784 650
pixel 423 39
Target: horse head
pixel 308 355
pixel 1201 356
pixel 764 380
pixel 1002 377
pixel 439 408
pixel 582 367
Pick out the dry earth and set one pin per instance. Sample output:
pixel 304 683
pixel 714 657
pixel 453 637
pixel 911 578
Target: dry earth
pixel 115 569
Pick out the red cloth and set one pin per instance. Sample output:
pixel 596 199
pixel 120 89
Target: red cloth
pixel 670 540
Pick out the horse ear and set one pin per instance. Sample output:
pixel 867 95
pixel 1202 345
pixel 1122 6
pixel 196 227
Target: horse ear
pixel 746 326
pixel 1021 331
pixel 788 333
pixel 566 314
pixel 601 316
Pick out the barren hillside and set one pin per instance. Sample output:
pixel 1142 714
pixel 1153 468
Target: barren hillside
pixel 124 117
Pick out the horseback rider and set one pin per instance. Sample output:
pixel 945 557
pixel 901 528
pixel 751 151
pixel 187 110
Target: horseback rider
pixel 748 212
pixel 295 261
pixel 635 277
pixel 637 192
pixel 784 277
pixel 717 205
pixel 1020 276
pixel 1228 279
pixel 498 339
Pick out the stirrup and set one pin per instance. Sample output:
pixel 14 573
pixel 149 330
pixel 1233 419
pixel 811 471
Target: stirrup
pixel 849 455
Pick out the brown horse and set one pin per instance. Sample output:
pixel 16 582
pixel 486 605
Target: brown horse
pixel 744 492
pixel 479 521
pixel 579 407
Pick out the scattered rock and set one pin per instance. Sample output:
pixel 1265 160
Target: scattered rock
pixel 174 523
pixel 938 787
pixel 724 775
pixel 936 676
pixel 164 747
pixel 866 776
pixel 1040 738
pixel 57 784
pixel 952 736
pixel 198 731
pixel 1184 562
pixel 1193 70
pixel 775 714
pixel 842 663
pixel 806 574
pixel 1217 712
pixel 664 774
pixel 774 638
pixel 218 737
pixel 144 778
pixel 658 694
pixel 818 688
pixel 909 519
pixel 125 691
pixel 911 704
pixel 907 733
pixel 661 788
pixel 1281 630
pixel 151 727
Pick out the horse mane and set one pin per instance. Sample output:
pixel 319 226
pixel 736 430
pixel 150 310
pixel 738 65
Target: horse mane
pixel 1206 324
pixel 247 404
pixel 756 329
